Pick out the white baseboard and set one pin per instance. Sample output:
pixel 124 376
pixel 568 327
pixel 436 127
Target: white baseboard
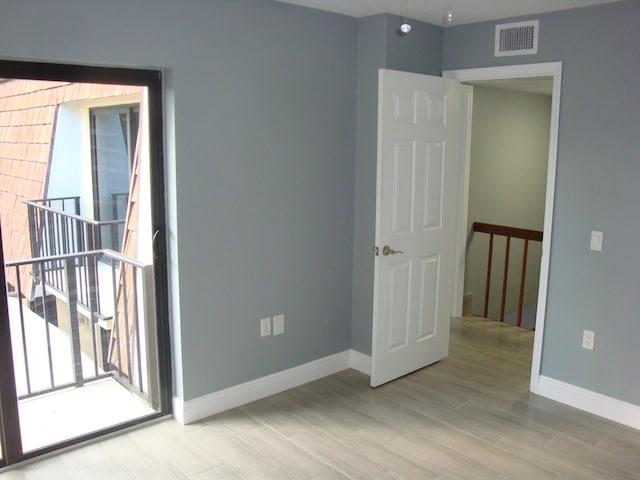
pixel 592 402
pixel 361 362
pixel 178 410
pixel 216 402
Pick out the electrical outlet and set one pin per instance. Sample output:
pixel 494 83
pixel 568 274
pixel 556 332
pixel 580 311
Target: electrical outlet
pixel 596 241
pixel 265 327
pixel 278 324
pixel 588 339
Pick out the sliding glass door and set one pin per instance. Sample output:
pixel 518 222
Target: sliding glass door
pixel 84 341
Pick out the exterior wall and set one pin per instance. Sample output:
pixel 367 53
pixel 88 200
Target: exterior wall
pixel 597 178
pixel 66 151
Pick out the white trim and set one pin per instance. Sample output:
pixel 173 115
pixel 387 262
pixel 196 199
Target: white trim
pixel 361 362
pixel 466 112
pixel 592 402
pixel 554 70
pixel 178 410
pixel 509 71
pixel 216 402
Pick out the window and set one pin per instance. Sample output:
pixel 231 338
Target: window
pixel 114 134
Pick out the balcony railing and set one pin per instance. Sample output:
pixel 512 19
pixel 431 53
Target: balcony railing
pixel 95 320
pixel 57 228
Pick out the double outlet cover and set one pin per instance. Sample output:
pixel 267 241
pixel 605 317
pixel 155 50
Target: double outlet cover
pixel 278 325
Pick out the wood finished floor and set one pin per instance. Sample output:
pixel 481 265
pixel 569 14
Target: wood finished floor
pixel 468 417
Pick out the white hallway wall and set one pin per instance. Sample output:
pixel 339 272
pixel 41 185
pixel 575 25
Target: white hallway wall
pixel 507 182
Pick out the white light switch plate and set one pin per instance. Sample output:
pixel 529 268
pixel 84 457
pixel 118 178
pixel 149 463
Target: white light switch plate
pixel 265 327
pixel 596 241
pixel 278 324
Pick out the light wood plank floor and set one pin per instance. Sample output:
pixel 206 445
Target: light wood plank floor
pixel 467 417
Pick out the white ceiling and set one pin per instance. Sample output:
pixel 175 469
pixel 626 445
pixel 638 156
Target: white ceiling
pixel 433 11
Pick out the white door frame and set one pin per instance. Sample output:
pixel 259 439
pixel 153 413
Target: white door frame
pixel 553 70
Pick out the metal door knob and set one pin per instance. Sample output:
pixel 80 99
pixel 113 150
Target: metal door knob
pixel 387 250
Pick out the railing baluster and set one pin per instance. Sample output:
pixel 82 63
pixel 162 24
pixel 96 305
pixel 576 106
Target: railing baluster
pixel 47 332
pixel 488 285
pixel 79 245
pixel 33 235
pixel 50 233
pixel 72 305
pixel 136 313
pixel 522 280
pixel 92 243
pixel 504 278
pixel 64 233
pixel 93 306
pixel 23 331
pixel 116 323
pixel 125 296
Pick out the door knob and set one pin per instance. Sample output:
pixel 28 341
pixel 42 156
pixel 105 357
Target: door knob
pixel 387 250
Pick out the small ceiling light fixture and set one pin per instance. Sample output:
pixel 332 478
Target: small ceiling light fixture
pixel 448 16
pixel 406 26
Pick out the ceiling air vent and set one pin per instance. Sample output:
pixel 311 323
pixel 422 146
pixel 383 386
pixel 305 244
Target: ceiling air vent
pixel 519 38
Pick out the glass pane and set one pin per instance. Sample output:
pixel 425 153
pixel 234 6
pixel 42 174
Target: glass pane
pixel 83 321
pixel 113 146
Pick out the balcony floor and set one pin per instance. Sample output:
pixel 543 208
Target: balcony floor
pixel 64 414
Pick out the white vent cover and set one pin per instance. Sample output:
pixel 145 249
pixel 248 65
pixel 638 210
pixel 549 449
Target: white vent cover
pixel 519 38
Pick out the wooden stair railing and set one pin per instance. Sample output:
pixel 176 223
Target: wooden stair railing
pixel 509 232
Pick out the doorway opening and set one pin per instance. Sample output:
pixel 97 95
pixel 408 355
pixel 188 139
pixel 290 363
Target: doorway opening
pixel 507 183
pixel 84 328
pixel 518 74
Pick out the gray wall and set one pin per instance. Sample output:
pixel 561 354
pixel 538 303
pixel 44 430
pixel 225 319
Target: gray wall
pixel 379 46
pixel 372 40
pixel 261 142
pixel 596 189
pixel 507 184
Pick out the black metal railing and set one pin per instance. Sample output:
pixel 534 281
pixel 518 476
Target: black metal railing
pixel 99 325
pixel 57 228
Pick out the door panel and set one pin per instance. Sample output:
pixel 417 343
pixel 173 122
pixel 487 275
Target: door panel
pixel 415 218
pixel 399 306
pixel 433 186
pixel 427 323
pixel 402 210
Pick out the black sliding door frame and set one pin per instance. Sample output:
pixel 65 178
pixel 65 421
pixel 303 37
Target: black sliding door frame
pixel 151 79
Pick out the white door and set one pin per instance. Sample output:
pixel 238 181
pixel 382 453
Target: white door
pixel 416 214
